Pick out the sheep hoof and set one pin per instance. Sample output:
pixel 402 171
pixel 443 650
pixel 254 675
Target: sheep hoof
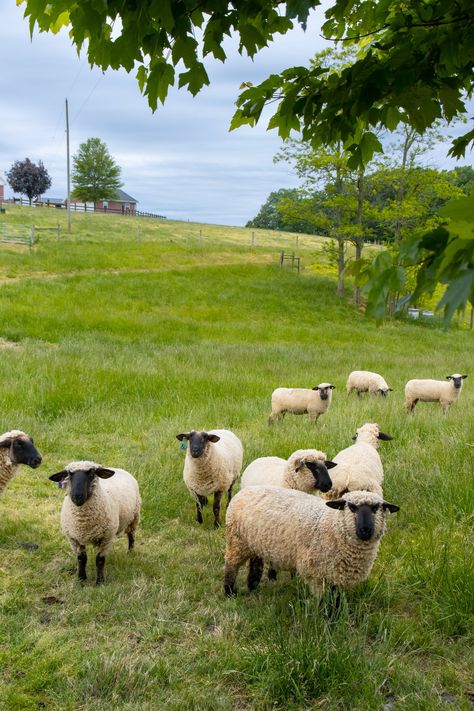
pixel 230 590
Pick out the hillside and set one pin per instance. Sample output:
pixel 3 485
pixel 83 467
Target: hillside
pixel 119 337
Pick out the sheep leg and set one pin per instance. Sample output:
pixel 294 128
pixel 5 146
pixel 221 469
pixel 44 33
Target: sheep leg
pixel 255 573
pixel 131 541
pixel 229 494
pixel 410 405
pixel 236 553
pixel 82 562
pixel 201 501
pixel 100 565
pixel 313 416
pixel 272 574
pixel 216 507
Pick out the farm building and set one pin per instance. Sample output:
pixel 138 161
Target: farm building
pixel 122 203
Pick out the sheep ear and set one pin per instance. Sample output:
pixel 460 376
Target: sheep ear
pixel 329 464
pixel 59 476
pixel 213 438
pixel 104 473
pixel 449 377
pixel 391 390
pixel 463 376
pixel 390 507
pixel 337 504
pixel 316 388
pixel 333 387
pixel 299 463
pixel 385 437
pixel 354 437
pixel 6 443
pixel 184 435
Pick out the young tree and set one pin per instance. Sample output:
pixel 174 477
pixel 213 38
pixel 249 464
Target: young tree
pixel 95 174
pixel 27 178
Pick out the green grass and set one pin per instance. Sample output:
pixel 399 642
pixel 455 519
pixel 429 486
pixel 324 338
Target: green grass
pixel 118 343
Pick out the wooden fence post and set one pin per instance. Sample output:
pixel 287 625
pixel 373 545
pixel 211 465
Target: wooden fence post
pixel 282 257
pixel 32 236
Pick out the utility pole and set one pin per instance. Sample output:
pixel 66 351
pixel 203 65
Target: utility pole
pixel 68 199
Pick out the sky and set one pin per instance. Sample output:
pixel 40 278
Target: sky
pixel 181 162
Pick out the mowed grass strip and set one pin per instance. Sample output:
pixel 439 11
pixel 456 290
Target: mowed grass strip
pixel 110 367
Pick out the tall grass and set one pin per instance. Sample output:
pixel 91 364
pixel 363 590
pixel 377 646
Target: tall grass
pixel 110 363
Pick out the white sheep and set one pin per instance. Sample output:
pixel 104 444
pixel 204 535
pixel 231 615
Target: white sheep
pixel 99 504
pixel 328 543
pixel 365 381
pixel 359 466
pixel 212 464
pixel 16 448
pixel 305 469
pixel 433 391
pixel 315 401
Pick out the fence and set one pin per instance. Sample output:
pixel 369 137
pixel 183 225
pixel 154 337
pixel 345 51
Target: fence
pixel 85 207
pixel 24 234
pixel 295 261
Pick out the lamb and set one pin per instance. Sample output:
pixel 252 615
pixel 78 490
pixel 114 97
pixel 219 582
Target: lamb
pixel 359 466
pixel 314 401
pixel 305 469
pixel 99 504
pixel 328 543
pixel 433 391
pixel 365 381
pixel 212 464
pixel 16 448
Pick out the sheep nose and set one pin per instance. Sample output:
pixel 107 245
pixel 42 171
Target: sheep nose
pixel 36 461
pixel 364 533
pixel 325 487
pixel 78 500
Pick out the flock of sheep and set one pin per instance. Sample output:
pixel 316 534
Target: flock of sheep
pixel 275 519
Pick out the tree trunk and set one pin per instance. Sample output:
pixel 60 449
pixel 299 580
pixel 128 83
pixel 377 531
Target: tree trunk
pixel 340 266
pixel 358 255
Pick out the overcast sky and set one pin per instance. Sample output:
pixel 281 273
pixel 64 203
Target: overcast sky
pixel 180 162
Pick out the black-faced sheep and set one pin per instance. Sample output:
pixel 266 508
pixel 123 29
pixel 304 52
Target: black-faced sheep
pixel 315 401
pixel 434 391
pixel 16 448
pixel 99 504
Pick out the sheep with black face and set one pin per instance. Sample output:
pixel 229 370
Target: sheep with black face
pixel 100 503
pixel 315 401
pixel 305 470
pixel 326 542
pixel 212 464
pixel 434 391
pixel 16 448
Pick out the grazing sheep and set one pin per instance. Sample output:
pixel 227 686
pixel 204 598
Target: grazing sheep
pixel 328 543
pixel 212 464
pixel 99 504
pixel 314 401
pixel 433 391
pixel 359 466
pixel 305 469
pixel 365 381
pixel 16 448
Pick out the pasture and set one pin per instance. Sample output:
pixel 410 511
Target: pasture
pixel 114 340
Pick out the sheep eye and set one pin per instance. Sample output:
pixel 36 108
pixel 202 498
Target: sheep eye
pixel 353 508
pixel 375 508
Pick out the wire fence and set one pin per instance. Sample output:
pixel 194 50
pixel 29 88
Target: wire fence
pixel 84 207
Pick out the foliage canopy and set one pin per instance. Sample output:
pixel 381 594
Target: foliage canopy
pixel 28 178
pixel 95 174
pixel 414 65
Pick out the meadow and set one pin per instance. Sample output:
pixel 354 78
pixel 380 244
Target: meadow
pixel 115 339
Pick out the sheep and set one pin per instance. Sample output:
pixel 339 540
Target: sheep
pixel 365 381
pixel 314 401
pixel 99 504
pixel 305 469
pixel 327 543
pixel 16 448
pixel 212 464
pixel 433 391
pixel 359 466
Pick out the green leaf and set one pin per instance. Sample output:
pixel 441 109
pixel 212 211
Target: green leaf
pixel 194 79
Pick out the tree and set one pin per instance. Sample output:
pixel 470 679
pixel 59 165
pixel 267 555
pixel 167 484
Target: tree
pixel 27 178
pixel 95 174
pixel 414 63
pixel 271 218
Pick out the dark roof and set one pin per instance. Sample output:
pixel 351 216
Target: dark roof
pixel 122 196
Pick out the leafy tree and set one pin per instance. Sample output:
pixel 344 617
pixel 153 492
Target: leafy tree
pixel 95 174
pixel 414 64
pixel 463 177
pixel 271 218
pixel 27 178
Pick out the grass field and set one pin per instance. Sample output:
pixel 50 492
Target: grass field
pixel 114 340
